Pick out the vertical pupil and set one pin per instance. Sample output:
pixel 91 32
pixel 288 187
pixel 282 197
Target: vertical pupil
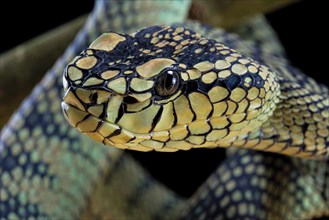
pixel 169 81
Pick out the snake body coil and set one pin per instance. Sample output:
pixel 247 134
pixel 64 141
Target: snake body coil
pixel 166 88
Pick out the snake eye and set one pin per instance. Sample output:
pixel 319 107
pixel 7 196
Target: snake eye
pixel 167 83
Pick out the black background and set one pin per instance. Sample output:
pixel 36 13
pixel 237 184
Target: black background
pixel 301 28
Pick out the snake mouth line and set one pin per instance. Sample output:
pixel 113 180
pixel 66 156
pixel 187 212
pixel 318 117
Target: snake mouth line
pixel 100 130
pixel 114 135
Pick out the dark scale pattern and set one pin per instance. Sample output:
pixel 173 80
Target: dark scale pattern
pixel 39 161
pixel 30 182
pixel 256 188
pixel 209 73
pixel 127 48
pixel 232 82
pixel 252 185
pixel 47 169
pixel 62 169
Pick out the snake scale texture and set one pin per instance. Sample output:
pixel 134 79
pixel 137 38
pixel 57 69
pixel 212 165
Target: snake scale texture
pixel 167 84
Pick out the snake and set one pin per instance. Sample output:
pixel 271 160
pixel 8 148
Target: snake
pixel 167 84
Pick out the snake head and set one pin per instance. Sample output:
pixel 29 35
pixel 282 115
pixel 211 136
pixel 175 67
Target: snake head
pixel 165 88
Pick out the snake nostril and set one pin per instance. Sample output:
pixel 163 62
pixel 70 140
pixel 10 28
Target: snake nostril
pixel 129 100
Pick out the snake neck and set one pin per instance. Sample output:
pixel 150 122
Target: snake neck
pixel 129 16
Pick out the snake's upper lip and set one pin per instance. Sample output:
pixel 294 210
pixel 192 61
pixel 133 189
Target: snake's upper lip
pixel 103 131
pixel 70 98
